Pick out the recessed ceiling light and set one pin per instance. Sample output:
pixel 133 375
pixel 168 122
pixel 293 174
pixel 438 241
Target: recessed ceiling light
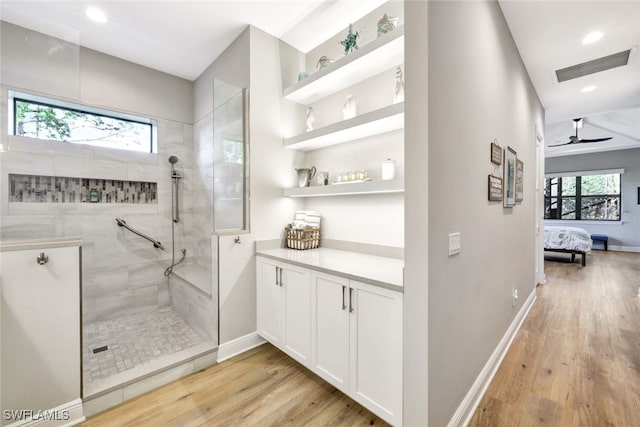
pixel 592 37
pixel 589 89
pixel 96 14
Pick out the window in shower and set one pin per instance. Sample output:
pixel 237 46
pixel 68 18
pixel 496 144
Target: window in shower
pixel 230 159
pixel 54 120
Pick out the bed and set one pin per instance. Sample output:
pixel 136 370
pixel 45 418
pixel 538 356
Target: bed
pixel 571 240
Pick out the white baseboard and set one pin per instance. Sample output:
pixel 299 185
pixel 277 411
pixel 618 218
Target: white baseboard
pixel 67 414
pixel 467 408
pixel 624 248
pixel 239 345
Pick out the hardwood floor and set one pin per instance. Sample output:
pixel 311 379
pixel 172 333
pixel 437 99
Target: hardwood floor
pixel 262 387
pixel 574 362
pixel 576 359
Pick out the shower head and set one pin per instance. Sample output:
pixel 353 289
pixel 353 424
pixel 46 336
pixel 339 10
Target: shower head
pixel 173 160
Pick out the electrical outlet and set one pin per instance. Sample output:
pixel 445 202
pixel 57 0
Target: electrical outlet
pixel 514 296
pixel 454 244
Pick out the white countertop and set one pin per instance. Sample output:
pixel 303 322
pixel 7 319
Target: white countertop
pixel 22 245
pixel 376 270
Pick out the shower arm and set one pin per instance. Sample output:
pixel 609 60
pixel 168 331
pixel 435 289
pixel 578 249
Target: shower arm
pixel 123 223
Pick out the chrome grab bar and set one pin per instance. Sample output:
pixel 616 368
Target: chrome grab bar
pixel 123 223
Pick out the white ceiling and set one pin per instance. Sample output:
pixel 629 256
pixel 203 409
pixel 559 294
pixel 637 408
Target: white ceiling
pixel 183 37
pixel 549 37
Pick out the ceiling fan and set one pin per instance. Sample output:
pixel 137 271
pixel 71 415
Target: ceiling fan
pixel 577 123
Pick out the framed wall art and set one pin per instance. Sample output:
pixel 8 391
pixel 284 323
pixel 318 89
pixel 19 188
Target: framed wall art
pixel 496 153
pixel 519 180
pixel 495 188
pixel 509 198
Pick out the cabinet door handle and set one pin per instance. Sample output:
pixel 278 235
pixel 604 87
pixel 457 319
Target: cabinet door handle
pixel 277 281
pixel 350 300
pixel 281 284
pixel 344 305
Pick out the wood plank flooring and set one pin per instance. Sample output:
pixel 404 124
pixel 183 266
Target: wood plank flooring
pixel 576 359
pixel 574 362
pixel 262 387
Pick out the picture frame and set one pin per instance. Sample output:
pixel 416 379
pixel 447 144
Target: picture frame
pixel 519 180
pixel 509 185
pixel 496 153
pixel 495 188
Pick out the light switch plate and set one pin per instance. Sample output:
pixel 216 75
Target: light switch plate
pixel 454 244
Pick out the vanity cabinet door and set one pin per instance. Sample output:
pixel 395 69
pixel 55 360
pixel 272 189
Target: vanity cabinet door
pixel 375 379
pixel 296 283
pixel 270 301
pixel 330 322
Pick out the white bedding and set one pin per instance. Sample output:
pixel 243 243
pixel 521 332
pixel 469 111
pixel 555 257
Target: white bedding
pixel 568 238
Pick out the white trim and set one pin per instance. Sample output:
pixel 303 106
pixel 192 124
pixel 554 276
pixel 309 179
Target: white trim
pixel 624 248
pixel 239 345
pixel 73 408
pixel 579 222
pixel 467 407
pixel 584 173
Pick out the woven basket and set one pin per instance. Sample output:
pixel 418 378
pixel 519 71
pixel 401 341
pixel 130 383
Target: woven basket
pixel 298 238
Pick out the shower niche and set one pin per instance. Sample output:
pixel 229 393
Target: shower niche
pixel 230 159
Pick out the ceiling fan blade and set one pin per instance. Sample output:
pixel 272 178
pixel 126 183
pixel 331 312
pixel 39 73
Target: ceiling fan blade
pixel 594 140
pixel 560 145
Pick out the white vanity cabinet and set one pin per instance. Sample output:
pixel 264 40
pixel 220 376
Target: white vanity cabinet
pixel 284 307
pixel 346 331
pixel 357 342
pixel 375 349
pixel 330 329
pixel 270 301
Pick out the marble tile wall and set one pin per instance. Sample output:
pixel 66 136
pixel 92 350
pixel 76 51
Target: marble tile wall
pixel 199 310
pixel 57 189
pixel 203 190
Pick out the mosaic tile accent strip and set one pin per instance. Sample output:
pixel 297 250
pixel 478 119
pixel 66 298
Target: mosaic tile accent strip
pixel 57 189
pixel 133 340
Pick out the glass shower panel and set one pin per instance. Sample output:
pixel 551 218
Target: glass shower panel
pixel 230 158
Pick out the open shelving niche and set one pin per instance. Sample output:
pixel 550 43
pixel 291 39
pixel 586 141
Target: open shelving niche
pixel 376 122
pixel 380 54
pixel 348 189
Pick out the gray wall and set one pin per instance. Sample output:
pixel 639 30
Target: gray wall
pixel 121 272
pixel 625 235
pixel 478 90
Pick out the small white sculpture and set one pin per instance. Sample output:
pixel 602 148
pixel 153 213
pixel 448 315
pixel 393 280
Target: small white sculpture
pixel 349 108
pixel 311 118
pixel 399 96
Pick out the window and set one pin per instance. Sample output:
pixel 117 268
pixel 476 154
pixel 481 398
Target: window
pixel 588 197
pixel 41 118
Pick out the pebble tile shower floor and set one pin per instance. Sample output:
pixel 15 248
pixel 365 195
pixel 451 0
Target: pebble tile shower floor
pixel 133 340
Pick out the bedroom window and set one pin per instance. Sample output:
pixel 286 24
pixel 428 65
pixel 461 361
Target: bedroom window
pixel 53 120
pixel 589 197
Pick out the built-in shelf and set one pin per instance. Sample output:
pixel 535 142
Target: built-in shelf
pixel 371 187
pixel 386 119
pixel 371 59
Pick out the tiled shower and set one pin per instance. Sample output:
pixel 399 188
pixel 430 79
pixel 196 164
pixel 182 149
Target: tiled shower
pixel 129 320
pixel 135 321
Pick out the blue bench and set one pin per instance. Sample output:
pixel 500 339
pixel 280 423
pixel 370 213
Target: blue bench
pixel 601 238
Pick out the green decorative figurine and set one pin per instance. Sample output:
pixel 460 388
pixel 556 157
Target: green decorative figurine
pixel 351 42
